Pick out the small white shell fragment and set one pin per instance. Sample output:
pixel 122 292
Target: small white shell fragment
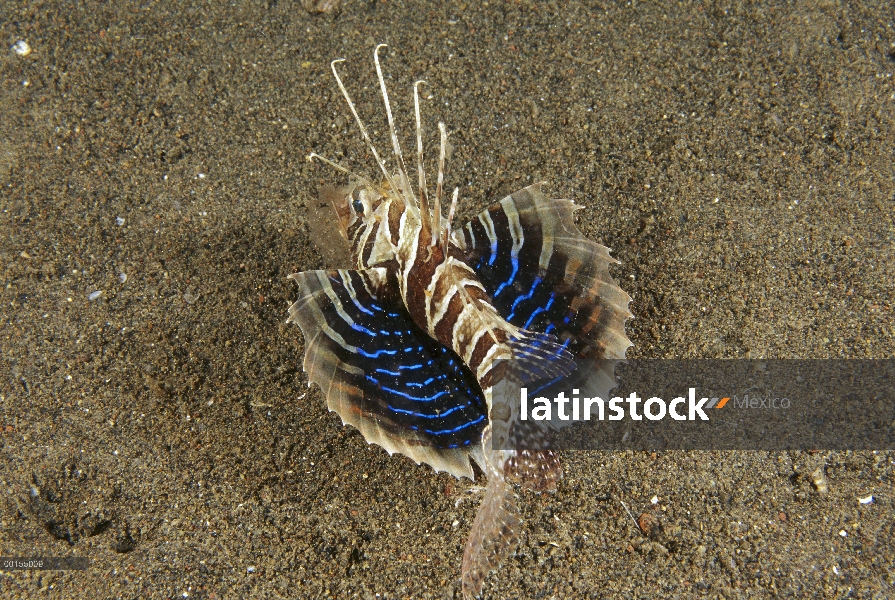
pixel 122 277
pixel 250 570
pixel 119 221
pixel 867 500
pixel 654 500
pixel 843 533
pixel 21 48
pixel 94 295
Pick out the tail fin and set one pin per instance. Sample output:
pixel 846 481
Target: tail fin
pixel 493 536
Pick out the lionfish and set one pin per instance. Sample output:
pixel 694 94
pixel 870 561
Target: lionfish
pixel 403 343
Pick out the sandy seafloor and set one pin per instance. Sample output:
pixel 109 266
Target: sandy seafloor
pixel 737 157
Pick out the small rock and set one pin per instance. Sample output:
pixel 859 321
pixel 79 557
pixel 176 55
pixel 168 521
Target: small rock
pixel 648 524
pixel 819 479
pixel 22 48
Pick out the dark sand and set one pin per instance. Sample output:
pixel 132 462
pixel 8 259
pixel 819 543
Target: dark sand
pixel 737 158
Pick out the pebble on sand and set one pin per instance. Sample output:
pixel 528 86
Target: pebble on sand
pixel 819 479
pixel 22 48
pixel 94 295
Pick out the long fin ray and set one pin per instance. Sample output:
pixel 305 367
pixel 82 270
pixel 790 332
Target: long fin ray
pixel 424 197
pixel 436 213
pixel 360 123
pixel 399 156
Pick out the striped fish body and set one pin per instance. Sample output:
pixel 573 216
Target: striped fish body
pixel 441 293
pixel 404 343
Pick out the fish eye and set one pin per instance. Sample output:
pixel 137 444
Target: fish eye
pixel 358 206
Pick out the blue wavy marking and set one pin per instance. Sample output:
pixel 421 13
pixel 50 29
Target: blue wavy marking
pixel 479 420
pixel 428 416
pixel 540 310
pixel 378 308
pixel 376 354
pixel 512 277
pixel 527 296
pixel 410 381
pixel 363 329
pixel 362 308
pixel 426 382
pixel 546 385
pixel 493 256
pixel 394 392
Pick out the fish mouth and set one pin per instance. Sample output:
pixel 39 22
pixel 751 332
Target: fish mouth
pixel 338 198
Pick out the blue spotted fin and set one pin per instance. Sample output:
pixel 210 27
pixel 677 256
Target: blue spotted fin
pixel 544 276
pixel 382 374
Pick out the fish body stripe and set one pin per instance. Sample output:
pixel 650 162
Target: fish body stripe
pixel 488 225
pixel 395 219
pixel 518 238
